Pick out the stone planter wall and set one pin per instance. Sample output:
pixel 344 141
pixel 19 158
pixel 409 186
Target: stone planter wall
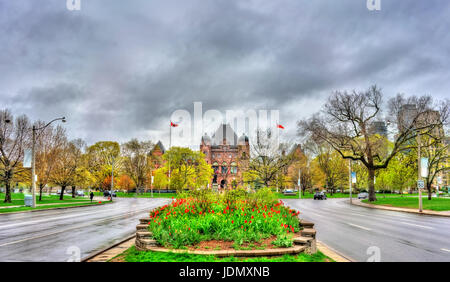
pixel 304 243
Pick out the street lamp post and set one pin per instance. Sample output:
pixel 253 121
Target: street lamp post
pixel 112 179
pixel 33 158
pixel 419 173
pixel 299 185
pixel 350 178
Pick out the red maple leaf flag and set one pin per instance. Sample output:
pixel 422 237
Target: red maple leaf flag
pixel 173 124
pixel 280 126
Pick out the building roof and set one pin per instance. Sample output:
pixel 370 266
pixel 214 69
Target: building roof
pixel 206 139
pixel 243 139
pixel 160 146
pixel 224 132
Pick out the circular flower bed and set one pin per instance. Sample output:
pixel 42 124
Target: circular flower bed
pixel 191 220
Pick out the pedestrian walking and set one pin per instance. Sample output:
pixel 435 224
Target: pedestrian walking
pixel 92 196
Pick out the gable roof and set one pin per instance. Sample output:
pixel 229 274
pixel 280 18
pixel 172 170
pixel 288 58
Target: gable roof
pixel 224 132
pixel 159 146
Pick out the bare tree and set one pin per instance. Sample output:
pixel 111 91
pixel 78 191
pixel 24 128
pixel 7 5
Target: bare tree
pixel 14 137
pixel 346 120
pixel 268 159
pixel 48 144
pixel 65 168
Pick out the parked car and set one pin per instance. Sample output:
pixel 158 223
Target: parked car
pixel 363 195
pixel 320 196
pixel 289 192
pixel 80 193
pixel 106 193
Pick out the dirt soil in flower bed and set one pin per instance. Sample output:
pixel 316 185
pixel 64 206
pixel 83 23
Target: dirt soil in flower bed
pixel 214 245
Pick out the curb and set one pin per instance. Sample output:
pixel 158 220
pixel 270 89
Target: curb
pixel 381 207
pixel 332 253
pixel 106 257
pixel 235 253
pixel 63 208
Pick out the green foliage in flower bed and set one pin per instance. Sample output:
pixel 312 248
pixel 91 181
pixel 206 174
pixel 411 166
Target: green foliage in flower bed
pixel 234 216
pixel 132 255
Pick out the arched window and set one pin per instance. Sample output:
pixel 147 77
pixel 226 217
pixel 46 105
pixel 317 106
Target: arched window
pixel 215 167
pixel 233 168
pixel 224 168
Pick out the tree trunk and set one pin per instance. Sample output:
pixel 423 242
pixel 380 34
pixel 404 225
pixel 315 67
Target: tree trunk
pixel 371 182
pixel 73 191
pixel 61 196
pixel 7 192
pixel 41 187
pixel 429 191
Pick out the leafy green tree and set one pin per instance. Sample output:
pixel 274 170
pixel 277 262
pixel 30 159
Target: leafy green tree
pixel 135 164
pixel 435 149
pixel 161 181
pixel 102 157
pixel 187 168
pixel 403 171
pixel 332 165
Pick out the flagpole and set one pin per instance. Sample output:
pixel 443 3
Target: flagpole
pixel 170 145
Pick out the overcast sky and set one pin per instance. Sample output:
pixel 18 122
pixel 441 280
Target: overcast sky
pixel 118 69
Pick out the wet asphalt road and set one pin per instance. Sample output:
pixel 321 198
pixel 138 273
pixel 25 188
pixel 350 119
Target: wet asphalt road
pixel 59 235
pixel 399 236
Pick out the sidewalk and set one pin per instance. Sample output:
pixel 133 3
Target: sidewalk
pixel 357 202
pixel 55 204
pixel 331 253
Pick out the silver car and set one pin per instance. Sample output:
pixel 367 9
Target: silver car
pixel 363 195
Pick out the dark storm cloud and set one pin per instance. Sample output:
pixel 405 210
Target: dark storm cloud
pixel 118 69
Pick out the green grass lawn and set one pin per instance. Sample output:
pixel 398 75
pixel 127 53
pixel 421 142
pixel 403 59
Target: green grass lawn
pixel 131 255
pixel 311 196
pixel 18 209
pixel 341 195
pixel 141 195
pixel 435 204
pixel 17 199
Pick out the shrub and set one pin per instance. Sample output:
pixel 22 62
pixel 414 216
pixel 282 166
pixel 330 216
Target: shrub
pixel 263 196
pixel 234 195
pixel 283 240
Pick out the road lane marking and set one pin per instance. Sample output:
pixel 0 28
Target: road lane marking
pixel 50 212
pixel 359 226
pixel 421 226
pixel 52 219
pixel 445 250
pixel 74 227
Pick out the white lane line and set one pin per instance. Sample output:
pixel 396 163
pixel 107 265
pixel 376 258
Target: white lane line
pixel 359 226
pixel 445 250
pixel 47 219
pixel 74 227
pixel 417 225
pixel 53 219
